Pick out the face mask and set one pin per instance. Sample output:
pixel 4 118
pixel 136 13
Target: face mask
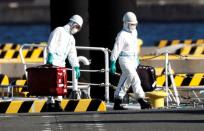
pixel 132 27
pixel 74 31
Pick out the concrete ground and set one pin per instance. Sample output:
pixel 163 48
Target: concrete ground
pixel 142 120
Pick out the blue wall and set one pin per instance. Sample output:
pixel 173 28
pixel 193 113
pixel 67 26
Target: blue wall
pixel 150 32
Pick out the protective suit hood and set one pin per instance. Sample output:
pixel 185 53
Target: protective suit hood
pixel 67 28
pixel 127 29
pixel 129 22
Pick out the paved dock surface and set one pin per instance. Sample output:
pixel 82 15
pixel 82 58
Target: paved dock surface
pixel 147 120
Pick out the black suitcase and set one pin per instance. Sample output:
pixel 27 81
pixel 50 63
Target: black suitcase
pixel 147 76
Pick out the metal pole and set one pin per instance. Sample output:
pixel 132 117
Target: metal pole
pixel 166 76
pixel 75 88
pixel 106 75
pixel 173 84
pixel 105 51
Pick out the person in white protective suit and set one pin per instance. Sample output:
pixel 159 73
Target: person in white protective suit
pixel 126 50
pixel 61 45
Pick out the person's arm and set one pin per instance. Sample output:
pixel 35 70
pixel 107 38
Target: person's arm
pixel 52 44
pixel 73 60
pixel 118 46
pixel 72 55
pixel 54 40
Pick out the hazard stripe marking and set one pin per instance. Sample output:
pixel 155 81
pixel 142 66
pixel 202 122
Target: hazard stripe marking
pixel 185 50
pixel 1 78
pixel 160 80
pixel 94 105
pixel 169 81
pixel 37 106
pixel 186 42
pixel 198 50
pixel 179 79
pixel 14 46
pixel 15 55
pixel 199 41
pixel 174 42
pixel 82 105
pixel 36 53
pixel 187 80
pixel 28 55
pixel 202 81
pixel 25 107
pixel 190 80
pixel 71 105
pixel 168 43
pixel 41 54
pixel 64 103
pixel 4 106
pixel 4 80
pixel 3 53
pixel 44 108
pixel 178 52
pixel 192 51
pixel 14 106
pixel 196 79
pixel 162 43
pixel 2 46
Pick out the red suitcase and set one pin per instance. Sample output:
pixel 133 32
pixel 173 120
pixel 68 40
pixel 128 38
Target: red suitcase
pixel 47 80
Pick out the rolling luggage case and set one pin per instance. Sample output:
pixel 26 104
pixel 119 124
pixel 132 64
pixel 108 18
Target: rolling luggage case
pixel 147 76
pixel 47 80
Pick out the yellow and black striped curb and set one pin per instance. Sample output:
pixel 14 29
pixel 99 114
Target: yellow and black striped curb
pixel 35 55
pixel 187 51
pixel 4 80
pixel 20 89
pixel 163 43
pixel 190 80
pixel 9 46
pixel 36 106
pixel 160 71
pixel 191 50
pixel 13 46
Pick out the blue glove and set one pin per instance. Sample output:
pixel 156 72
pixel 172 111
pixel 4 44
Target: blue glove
pixel 112 67
pixel 77 70
pixel 49 58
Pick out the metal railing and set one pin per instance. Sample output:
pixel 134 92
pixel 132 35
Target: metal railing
pixel 31 45
pixel 106 59
pixel 106 70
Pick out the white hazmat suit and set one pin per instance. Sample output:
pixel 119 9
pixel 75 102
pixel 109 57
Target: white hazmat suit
pixel 62 45
pixel 126 50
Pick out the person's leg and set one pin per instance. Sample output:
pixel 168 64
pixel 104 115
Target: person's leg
pixel 136 84
pixel 122 87
pixel 58 103
pixel 137 89
pixel 120 93
pixel 134 80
